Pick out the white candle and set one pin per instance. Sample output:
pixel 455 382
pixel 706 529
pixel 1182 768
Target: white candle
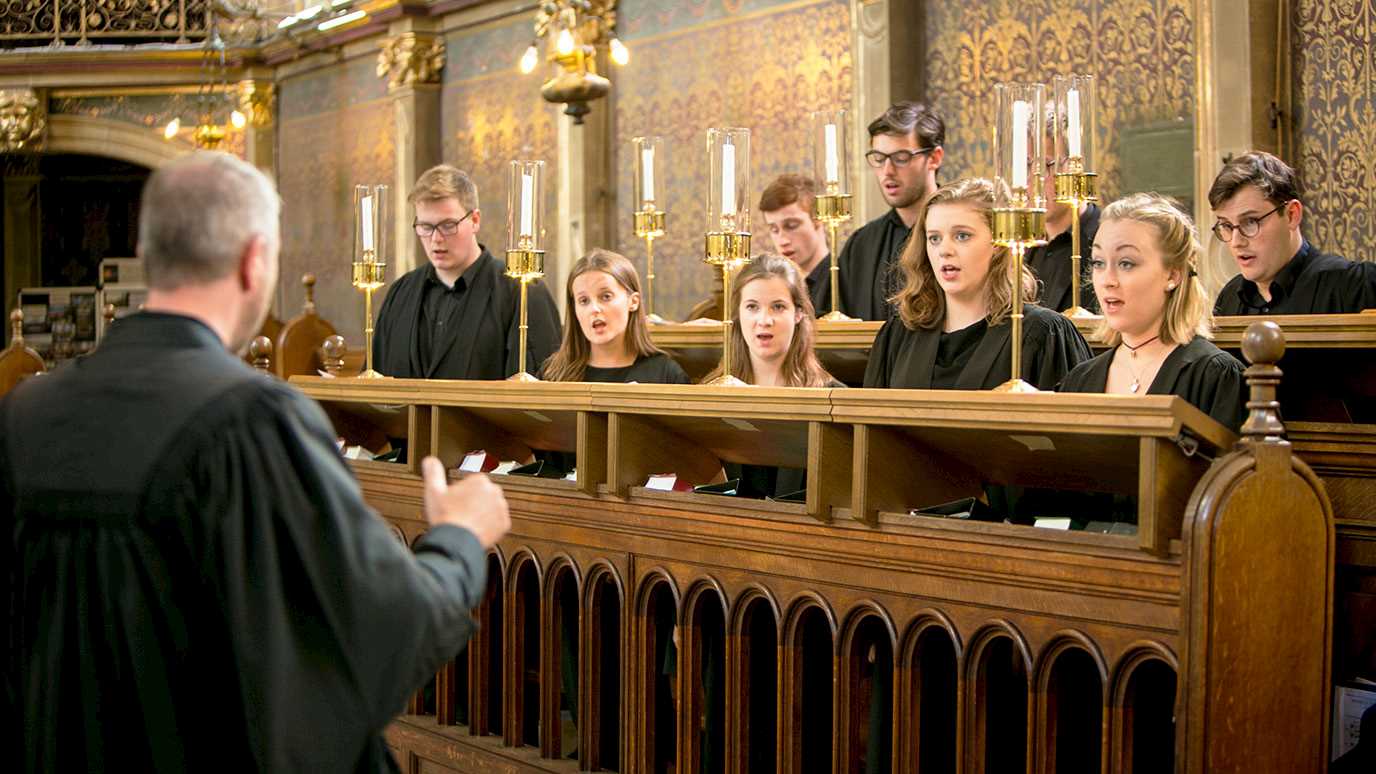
pixel 728 179
pixel 1020 118
pixel 1072 129
pixel 833 163
pixel 366 213
pixel 527 193
pixel 647 175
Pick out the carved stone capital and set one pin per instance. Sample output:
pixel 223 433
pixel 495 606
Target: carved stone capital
pixel 23 119
pixel 256 102
pixel 410 59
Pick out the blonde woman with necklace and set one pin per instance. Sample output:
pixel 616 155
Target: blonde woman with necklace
pixel 1156 315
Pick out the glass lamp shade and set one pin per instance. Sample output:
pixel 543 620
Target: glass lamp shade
pixel 728 180
pixel 1074 136
pixel 372 224
pixel 648 186
pixel 831 152
pixel 525 209
pixel 1019 145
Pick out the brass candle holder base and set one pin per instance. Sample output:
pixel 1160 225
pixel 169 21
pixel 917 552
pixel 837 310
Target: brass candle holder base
pixel 525 266
pixel 649 225
pixel 727 250
pixel 1018 229
pixel 1076 189
pixel 833 210
pixel 368 276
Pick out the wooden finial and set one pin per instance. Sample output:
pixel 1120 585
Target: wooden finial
pixel 260 351
pixel 109 314
pixel 16 327
pixel 308 281
pixel 334 350
pixel 1263 344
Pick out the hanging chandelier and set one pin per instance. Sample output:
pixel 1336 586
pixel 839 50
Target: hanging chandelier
pixel 571 32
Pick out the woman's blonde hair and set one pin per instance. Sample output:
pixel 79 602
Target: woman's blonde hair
pixel 570 362
pixel 921 303
pixel 1188 313
pixel 801 367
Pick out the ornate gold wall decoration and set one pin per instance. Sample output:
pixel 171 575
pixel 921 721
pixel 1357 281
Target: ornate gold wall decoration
pixel 1142 52
pixel 23 119
pixel 1335 99
pixel 409 59
pixel 55 22
pixel 256 102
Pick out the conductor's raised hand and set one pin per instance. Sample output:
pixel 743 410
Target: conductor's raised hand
pixel 475 503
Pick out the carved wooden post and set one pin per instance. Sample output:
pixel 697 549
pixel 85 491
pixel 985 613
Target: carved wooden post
pixel 333 354
pixel 260 352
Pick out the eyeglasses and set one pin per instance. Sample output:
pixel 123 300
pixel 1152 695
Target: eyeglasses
pixel 445 227
pixel 900 158
pixel 1249 227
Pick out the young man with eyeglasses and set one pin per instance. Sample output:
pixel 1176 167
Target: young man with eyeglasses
pixel 1257 214
pixel 905 154
pixel 458 317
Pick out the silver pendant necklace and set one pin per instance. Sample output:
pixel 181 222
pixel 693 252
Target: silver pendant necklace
pixel 1132 353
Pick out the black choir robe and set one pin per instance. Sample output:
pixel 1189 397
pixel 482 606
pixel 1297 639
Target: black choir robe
pixel 650 369
pixel 905 358
pixel 819 286
pixel 192 575
pixel 869 267
pixel 1311 283
pixel 1051 265
pixel 484 344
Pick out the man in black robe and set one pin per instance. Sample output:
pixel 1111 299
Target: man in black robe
pixel 192 578
pixel 905 154
pixel 459 316
pixel 1258 213
pixel 787 207
pixel 1051 264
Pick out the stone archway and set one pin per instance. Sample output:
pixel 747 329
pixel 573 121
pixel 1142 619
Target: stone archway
pixel 112 139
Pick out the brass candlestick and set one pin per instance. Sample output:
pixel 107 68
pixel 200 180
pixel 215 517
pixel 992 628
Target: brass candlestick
pixel 1018 229
pixel 728 251
pixel 370 264
pixel 525 266
pixel 1076 183
pixel 833 209
pixel 649 225
pixel 1076 189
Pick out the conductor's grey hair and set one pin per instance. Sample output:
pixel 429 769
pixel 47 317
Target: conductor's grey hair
pixel 199 213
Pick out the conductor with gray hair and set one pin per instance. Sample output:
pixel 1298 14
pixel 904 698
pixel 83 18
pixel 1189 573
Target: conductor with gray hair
pixel 192 578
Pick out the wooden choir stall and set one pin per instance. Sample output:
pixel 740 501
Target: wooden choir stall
pixel 632 629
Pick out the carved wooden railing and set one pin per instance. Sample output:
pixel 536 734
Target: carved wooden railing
pixel 55 22
pixel 635 630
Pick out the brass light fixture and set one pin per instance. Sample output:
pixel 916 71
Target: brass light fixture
pixel 213 100
pixel 572 31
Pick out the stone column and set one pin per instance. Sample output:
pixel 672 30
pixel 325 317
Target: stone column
pixel 257 98
pixel 889 51
pixel 412 60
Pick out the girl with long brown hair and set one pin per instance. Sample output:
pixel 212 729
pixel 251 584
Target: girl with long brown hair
pixel 606 338
pixel 952 330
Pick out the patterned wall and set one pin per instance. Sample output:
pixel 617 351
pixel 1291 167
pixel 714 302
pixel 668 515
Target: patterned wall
pixel 1335 101
pixel 1141 50
pixel 335 129
pixel 704 63
pixel 491 114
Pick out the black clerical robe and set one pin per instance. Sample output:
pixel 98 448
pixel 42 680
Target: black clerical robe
pixel 192 578
pixel 906 358
pixel 819 286
pixel 1201 373
pixel 482 343
pixel 1311 283
pixel 869 267
pixel 1051 265
pixel 650 369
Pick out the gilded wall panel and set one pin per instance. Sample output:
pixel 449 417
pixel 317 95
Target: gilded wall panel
pixel 742 67
pixel 491 114
pixel 322 155
pixel 1141 50
pixel 1335 102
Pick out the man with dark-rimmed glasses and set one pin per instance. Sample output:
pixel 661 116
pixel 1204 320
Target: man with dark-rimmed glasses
pixel 1257 214
pixel 458 317
pixel 905 154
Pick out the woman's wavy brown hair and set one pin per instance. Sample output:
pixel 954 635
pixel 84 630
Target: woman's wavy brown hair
pixel 801 367
pixel 570 362
pixel 921 303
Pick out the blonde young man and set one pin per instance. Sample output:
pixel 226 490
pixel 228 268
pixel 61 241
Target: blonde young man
pixel 458 317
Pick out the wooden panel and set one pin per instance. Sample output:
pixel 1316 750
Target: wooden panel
pixel 927 478
pixel 639 447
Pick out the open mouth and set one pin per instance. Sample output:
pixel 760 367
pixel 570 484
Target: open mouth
pixel 1111 305
pixel 949 272
pixel 599 325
